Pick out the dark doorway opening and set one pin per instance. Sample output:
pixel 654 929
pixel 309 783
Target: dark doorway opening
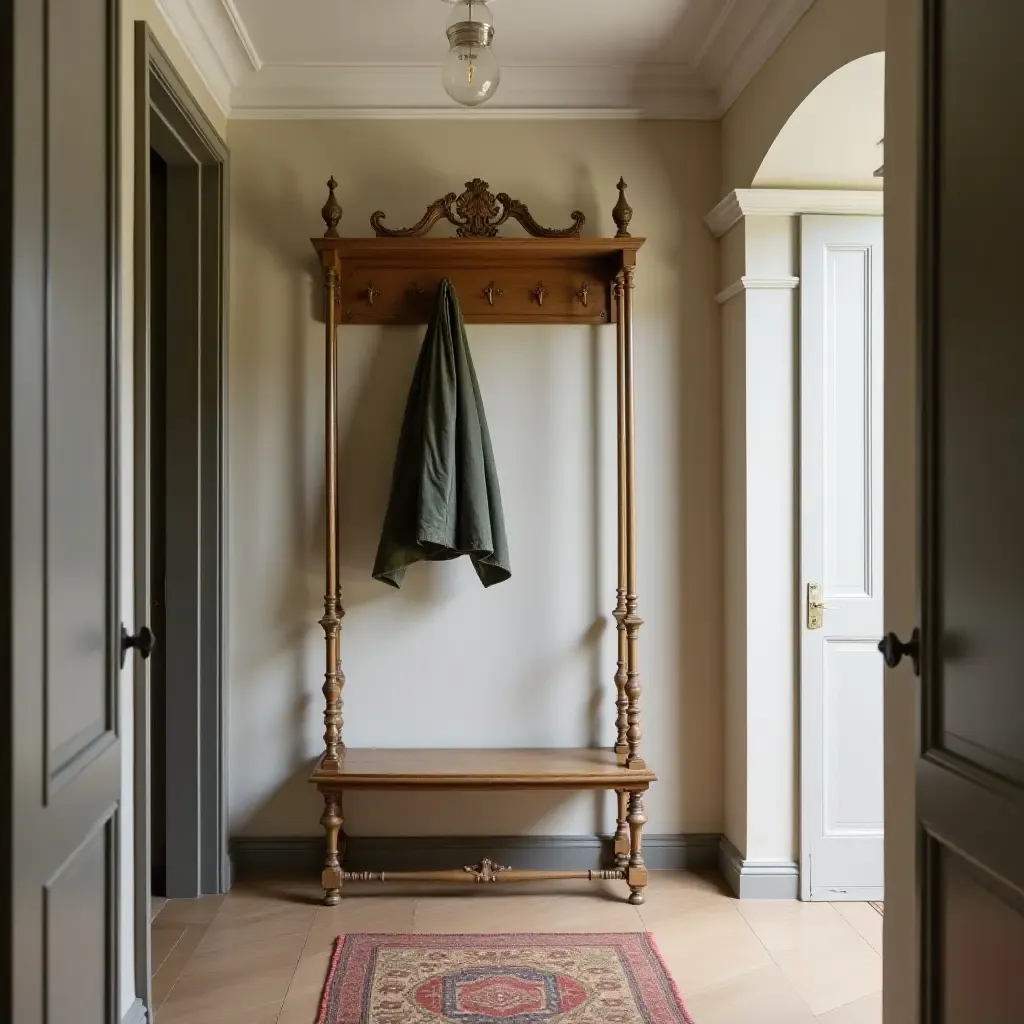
pixel 158 214
pixel 180 330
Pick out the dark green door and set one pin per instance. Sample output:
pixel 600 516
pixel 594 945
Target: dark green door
pixel 59 623
pixel 971 770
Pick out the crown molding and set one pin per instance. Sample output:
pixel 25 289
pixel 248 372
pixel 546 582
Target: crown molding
pixel 242 33
pixel 718 29
pixel 215 38
pixel 437 114
pixel 791 202
pixel 398 91
pixel 778 21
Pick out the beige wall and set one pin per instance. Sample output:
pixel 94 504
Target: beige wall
pixel 444 662
pixel 132 10
pixel 832 33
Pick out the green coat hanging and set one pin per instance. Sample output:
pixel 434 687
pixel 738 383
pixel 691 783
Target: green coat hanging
pixel 445 501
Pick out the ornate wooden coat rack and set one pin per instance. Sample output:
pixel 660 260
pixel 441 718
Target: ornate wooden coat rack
pixel 553 277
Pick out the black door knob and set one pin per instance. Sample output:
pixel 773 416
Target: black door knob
pixel 893 649
pixel 144 641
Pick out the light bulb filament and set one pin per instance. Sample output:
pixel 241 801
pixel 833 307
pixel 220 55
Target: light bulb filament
pixel 472 72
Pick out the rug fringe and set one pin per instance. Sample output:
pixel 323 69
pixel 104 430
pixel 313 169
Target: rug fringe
pixel 325 995
pixel 672 981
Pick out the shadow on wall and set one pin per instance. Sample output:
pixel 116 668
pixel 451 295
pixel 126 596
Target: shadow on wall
pixel 277 391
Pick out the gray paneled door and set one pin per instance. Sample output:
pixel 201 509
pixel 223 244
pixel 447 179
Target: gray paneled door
pixel 970 775
pixel 59 629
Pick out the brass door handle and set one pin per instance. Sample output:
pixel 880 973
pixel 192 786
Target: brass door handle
pixel 815 607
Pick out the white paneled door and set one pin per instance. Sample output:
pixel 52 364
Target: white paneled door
pixel 841 558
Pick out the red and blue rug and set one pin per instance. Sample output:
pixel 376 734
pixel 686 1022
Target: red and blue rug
pixel 499 979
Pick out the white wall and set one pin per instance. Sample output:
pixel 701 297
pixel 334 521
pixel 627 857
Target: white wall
pixel 132 10
pixel 443 662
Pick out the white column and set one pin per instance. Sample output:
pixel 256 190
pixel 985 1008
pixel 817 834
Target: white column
pixel 759 300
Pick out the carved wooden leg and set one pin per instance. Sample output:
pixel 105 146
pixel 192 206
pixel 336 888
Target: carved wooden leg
pixel 636 874
pixel 331 821
pixel 622 830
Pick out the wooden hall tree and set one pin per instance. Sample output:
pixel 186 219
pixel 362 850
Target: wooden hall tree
pixel 553 277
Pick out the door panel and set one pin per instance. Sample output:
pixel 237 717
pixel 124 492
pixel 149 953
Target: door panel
pixel 848 569
pixel 75 898
pixel 841 552
pixel 979 324
pixel 853 729
pixel 59 485
pixel 77 343
pixel 982 930
pixel 971 769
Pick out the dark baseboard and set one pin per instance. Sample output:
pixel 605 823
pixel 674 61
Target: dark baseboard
pixel 303 855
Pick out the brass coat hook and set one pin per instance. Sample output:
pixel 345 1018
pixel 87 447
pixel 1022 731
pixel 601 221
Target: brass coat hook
pixel 491 290
pixel 540 293
pixel 583 294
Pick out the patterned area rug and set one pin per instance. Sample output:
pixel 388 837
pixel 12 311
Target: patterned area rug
pixel 880 907
pixel 499 979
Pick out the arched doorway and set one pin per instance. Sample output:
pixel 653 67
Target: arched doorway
pixel 819 171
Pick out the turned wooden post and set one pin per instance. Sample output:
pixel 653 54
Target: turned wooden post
pixel 331 621
pixel 331 879
pixel 621 703
pixel 636 873
pixel 633 622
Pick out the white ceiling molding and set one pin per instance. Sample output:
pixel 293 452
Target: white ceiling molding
pixel 791 202
pixel 732 40
pixel 718 27
pixel 745 284
pixel 288 90
pixel 214 36
pixel 243 34
pixel 778 21
pixel 447 113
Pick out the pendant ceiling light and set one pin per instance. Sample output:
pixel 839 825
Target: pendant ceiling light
pixel 470 73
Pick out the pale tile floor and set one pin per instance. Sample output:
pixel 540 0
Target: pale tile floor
pixel 260 954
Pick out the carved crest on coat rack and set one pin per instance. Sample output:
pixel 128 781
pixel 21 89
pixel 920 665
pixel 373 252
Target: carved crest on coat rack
pixel 477 213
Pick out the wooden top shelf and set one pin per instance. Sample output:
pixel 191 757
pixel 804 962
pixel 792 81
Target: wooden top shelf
pixel 481 769
pixel 476 252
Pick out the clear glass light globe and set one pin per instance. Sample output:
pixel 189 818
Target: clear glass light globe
pixel 470 74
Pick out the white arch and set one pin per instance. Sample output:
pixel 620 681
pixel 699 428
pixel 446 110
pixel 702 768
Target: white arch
pixel 833 139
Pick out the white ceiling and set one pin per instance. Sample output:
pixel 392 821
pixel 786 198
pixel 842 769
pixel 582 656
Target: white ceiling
pixel 635 58
pixel 547 32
